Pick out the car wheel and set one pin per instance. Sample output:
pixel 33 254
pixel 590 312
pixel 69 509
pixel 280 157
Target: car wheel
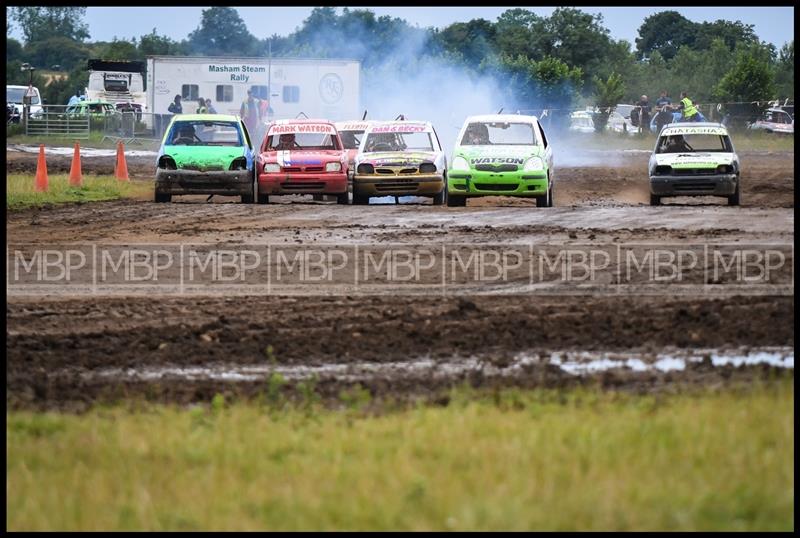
pixel 249 198
pixel 655 199
pixel 163 197
pixel 734 198
pixel 263 198
pixel 441 197
pixel 454 200
pixel 544 200
pixel 360 199
pixel 343 199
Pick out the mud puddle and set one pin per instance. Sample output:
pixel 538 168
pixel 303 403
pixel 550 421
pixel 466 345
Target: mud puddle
pixel 570 362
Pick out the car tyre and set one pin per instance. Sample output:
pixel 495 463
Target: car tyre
pixel 360 199
pixel 441 197
pixel 162 197
pixel 343 199
pixel 263 198
pixel 454 200
pixel 734 199
pixel 655 199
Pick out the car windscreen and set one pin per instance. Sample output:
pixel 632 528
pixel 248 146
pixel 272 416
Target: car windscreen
pixel 15 95
pixel 205 133
pixel 499 133
pixel 298 141
pixel 416 141
pixel 351 139
pixel 694 143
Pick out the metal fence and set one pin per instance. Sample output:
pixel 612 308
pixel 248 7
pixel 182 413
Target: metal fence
pixel 54 120
pixel 133 127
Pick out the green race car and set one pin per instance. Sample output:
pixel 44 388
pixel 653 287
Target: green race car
pixel 205 154
pixel 501 155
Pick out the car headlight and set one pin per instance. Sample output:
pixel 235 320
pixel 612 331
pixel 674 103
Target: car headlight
pixel 533 164
pixel 460 163
pixel 333 167
pixel 271 168
pixel 725 169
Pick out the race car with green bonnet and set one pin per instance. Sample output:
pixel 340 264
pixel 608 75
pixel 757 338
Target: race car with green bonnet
pixel 501 154
pixel 205 154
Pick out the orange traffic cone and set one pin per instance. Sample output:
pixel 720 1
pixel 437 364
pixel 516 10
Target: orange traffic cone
pixel 121 168
pixel 41 172
pixel 75 175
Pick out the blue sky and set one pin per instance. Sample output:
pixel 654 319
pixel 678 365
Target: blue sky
pixel 771 24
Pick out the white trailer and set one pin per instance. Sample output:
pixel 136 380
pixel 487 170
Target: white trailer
pixel 321 88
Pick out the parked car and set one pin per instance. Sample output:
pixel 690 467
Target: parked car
pixel 774 120
pixel 205 154
pixel 694 159
pixel 501 154
pixel 302 157
pixel 674 116
pixel 400 158
pixel 15 96
pixel 581 122
pixel 93 108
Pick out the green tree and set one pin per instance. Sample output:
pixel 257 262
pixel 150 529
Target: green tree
pixel 120 49
pixel 222 32
pixel 750 79
pixel 731 33
pixel 60 50
pixel 40 23
pixel 153 44
pixel 577 38
pixel 665 32
pixel 518 31
pixel 13 50
pixel 784 71
pixel 474 40
pixel 608 93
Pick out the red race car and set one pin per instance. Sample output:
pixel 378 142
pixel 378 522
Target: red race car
pixel 302 157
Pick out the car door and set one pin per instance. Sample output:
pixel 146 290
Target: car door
pixel 548 152
pixel 439 148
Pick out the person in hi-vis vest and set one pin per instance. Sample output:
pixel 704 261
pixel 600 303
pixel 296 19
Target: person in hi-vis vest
pixel 689 111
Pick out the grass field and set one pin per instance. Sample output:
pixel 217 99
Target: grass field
pixel 20 192
pixel 515 460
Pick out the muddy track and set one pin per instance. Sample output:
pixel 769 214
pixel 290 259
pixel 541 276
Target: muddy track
pixel 57 345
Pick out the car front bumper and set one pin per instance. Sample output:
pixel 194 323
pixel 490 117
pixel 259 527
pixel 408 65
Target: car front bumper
pixel 699 185
pixel 227 182
pixel 299 183
pixel 391 185
pixel 479 183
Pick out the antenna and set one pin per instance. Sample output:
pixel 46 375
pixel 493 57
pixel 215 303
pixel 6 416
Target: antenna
pixel 501 110
pixel 400 117
pixel 304 115
pixel 364 116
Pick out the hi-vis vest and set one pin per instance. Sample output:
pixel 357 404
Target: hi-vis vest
pixel 689 109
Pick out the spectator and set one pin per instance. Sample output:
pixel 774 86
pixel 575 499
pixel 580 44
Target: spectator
pixel 250 112
pixel 201 106
pixel 664 117
pixel 644 114
pixel 210 107
pixel 690 112
pixel 75 99
pixel 663 100
pixel 175 107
